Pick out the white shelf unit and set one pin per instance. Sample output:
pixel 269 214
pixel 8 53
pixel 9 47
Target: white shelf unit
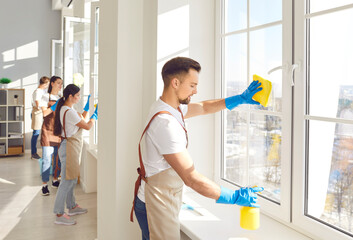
pixel 12 121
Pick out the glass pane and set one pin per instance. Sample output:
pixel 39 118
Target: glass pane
pixel 266 54
pixel 265 11
pixel 58 60
pixel 331 51
pixel 319 5
pixel 265 135
pixel 235 163
pixel 235 15
pixel 330 176
pixel 235 65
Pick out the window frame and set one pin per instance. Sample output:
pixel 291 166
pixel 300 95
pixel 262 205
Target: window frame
pixel 279 211
pixel 300 136
pixel 93 134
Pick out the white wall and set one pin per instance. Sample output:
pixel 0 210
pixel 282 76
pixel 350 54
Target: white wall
pixel 187 28
pixel 27 28
pixel 202 48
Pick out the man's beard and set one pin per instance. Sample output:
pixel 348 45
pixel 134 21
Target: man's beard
pixel 184 101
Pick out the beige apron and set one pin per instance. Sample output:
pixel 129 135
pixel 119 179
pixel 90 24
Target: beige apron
pixel 73 152
pixel 37 118
pixel 163 197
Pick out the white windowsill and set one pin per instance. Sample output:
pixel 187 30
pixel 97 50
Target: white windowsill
pixel 209 221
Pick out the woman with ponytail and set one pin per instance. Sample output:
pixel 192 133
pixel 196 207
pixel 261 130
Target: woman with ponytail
pixel 48 140
pixel 69 124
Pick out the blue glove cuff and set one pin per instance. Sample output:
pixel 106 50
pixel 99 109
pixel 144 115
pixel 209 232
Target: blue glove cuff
pixel 94 116
pixel 234 101
pixel 227 196
pixel 54 107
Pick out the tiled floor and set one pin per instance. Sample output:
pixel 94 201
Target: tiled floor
pixel 26 214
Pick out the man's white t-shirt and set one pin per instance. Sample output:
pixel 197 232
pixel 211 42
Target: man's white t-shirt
pixel 37 96
pixel 45 98
pixel 71 119
pixel 165 135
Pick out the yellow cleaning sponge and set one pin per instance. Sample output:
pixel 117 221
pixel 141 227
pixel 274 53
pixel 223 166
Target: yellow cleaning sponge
pixel 263 95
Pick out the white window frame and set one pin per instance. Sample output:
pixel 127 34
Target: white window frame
pixel 299 218
pixel 93 52
pixel 278 211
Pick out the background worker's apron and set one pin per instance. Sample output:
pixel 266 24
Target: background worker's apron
pixel 74 146
pixel 37 118
pixel 47 137
pixel 163 197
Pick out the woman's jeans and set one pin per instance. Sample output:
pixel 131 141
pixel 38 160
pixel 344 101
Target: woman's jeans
pixel 141 215
pixel 34 139
pixel 48 153
pixel 66 188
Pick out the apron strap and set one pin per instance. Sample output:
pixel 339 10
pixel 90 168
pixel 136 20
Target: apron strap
pixel 64 123
pixel 141 170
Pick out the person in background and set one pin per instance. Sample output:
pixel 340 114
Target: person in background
pixel 48 141
pixel 69 124
pixel 37 114
pixel 165 164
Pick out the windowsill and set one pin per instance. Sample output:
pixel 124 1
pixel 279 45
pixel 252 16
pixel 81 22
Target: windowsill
pixel 212 221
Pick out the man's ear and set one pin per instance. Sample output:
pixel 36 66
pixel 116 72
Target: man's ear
pixel 175 82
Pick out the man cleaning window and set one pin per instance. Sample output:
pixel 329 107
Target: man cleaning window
pixel 165 164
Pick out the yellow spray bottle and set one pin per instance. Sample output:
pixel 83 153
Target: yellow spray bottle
pixel 250 217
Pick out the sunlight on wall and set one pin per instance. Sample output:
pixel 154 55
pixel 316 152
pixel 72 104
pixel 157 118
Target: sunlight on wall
pixel 8 55
pixel 8 66
pixel 172 39
pixel 26 51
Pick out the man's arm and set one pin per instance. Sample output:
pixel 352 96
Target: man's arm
pixel 205 107
pixel 212 106
pixel 183 165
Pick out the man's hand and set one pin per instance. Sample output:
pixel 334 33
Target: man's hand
pixel 245 97
pixel 243 197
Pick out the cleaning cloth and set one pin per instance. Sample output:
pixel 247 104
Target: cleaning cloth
pixel 263 95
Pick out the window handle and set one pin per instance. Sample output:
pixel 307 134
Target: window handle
pixel 274 69
pixel 294 66
pixel 285 67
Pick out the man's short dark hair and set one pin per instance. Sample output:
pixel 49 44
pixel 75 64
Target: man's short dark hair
pixel 178 67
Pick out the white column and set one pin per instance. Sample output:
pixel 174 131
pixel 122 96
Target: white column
pixel 202 49
pixel 150 16
pixel 120 115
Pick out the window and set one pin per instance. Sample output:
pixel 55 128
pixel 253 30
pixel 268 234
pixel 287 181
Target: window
pixel 305 163
pixel 324 117
pixel 94 66
pixel 256 139
pixel 77 58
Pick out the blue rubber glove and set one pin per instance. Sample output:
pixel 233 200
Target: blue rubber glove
pixel 54 106
pixel 245 97
pixel 95 114
pixel 86 108
pixel 243 197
